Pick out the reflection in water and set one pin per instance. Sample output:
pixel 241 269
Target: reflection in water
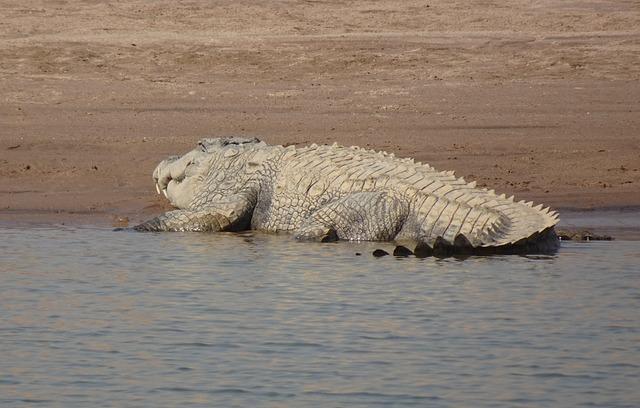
pixel 99 318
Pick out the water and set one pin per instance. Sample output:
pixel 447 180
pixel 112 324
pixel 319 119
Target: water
pixel 93 318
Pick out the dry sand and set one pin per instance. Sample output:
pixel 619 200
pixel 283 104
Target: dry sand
pixel 538 99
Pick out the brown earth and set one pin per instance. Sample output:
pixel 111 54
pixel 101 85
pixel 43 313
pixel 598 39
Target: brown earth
pixel 538 99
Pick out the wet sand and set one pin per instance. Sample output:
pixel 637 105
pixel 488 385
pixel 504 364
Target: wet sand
pixel 538 101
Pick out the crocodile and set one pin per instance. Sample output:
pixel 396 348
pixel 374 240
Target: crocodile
pixel 332 192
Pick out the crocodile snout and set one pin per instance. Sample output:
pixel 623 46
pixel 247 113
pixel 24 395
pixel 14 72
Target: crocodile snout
pixel 169 169
pixel 174 178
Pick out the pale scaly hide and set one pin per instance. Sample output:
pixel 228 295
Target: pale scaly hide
pixel 335 192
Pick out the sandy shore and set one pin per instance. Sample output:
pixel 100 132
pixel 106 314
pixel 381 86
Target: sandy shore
pixel 538 101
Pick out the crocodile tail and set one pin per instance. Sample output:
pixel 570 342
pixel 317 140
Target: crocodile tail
pixel 482 218
pixel 518 224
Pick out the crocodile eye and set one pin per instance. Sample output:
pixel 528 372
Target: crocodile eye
pixel 203 148
pixel 231 153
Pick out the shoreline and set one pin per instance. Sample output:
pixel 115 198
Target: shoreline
pixel 622 223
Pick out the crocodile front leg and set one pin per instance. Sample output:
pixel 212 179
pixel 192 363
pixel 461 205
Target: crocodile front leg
pixel 364 216
pixel 233 214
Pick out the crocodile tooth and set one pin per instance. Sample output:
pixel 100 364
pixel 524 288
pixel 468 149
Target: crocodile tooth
pixel 164 191
pixel 157 188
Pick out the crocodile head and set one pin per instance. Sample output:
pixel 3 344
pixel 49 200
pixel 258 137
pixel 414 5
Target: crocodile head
pixel 180 178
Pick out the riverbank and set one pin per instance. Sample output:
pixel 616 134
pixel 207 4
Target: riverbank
pixel 94 95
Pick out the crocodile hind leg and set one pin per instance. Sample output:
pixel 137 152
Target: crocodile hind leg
pixel 364 216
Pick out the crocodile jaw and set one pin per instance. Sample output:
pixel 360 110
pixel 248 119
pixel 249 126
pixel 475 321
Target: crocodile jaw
pixel 177 178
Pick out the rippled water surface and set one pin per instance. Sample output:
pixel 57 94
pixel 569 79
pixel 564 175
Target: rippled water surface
pixel 92 318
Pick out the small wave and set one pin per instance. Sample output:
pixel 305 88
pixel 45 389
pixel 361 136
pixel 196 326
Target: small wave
pixel 291 344
pixel 623 365
pixel 34 401
pixel 558 375
pixel 194 344
pixel 229 391
pixel 376 395
pixel 385 337
pixel 176 389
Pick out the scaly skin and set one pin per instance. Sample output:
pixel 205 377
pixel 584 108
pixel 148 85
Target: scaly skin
pixel 334 192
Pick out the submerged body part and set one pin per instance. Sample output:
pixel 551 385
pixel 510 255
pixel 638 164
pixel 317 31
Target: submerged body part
pixel 333 192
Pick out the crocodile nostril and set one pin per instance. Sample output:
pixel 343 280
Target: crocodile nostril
pixel 164 180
